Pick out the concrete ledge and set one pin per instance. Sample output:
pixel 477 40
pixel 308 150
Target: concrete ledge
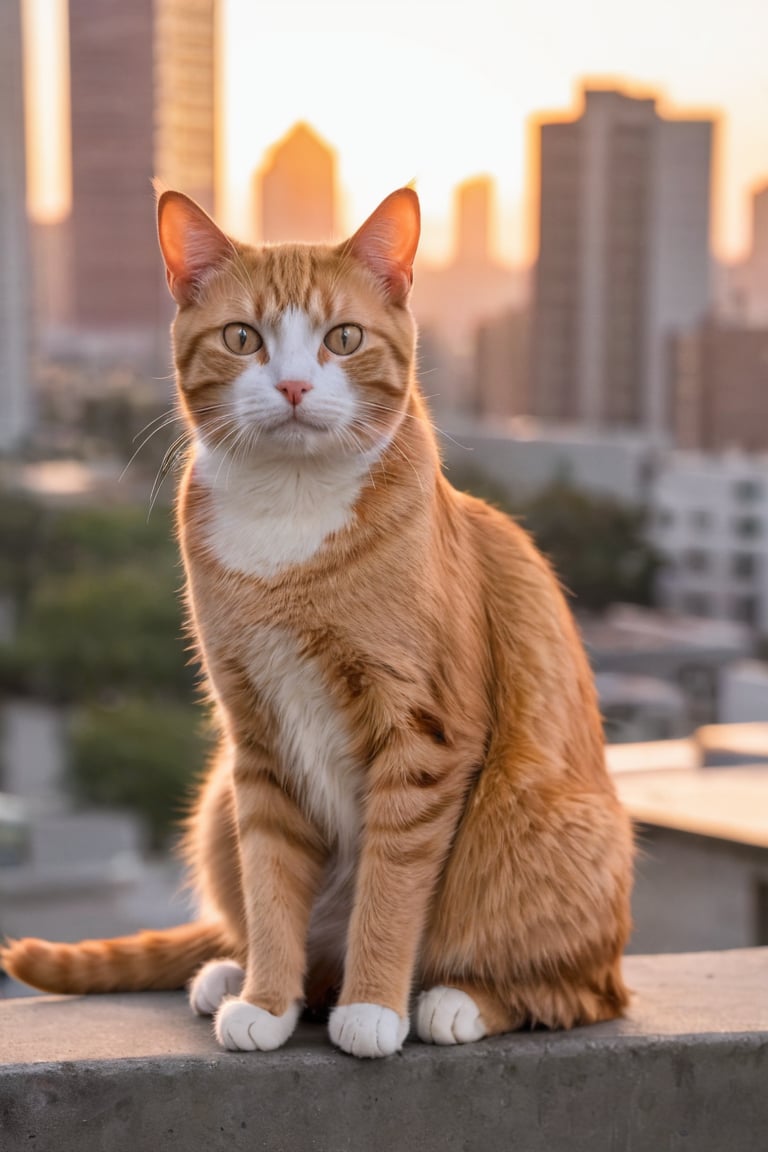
pixel 687 1069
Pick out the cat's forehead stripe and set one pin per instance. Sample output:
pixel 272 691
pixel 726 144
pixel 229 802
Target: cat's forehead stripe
pixel 295 277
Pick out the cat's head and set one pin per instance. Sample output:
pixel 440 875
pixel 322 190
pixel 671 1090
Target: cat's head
pixel 292 349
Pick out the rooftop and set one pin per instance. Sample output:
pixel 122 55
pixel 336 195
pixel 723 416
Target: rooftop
pixel 713 784
pixel 684 1070
pixel 727 803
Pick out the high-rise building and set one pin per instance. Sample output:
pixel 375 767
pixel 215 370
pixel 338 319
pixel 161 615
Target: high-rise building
pixel 760 226
pixel 473 214
pixel 742 297
pixel 501 375
pixel 142 98
pixel 623 258
pixel 14 265
pixel 295 189
pixel 185 104
pixel 743 285
pixel 719 388
pixel 756 267
pixel 451 301
pixel 116 280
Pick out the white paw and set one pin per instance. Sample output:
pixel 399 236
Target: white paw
pixel 213 983
pixel 367 1029
pixel 244 1027
pixel 448 1016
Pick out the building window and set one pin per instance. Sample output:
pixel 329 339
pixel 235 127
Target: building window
pixel 745 609
pixel 696 604
pixel 700 685
pixel 747 526
pixel 697 560
pixel 744 565
pixel 746 490
pixel 701 519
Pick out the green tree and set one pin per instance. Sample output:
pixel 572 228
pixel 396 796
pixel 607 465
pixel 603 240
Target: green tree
pixel 88 538
pixel 99 626
pixel 141 756
pixel 597 545
pixel 22 531
pixel 87 633
pixel 477 483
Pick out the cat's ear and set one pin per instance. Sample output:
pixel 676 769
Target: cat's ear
pixel 191 244
pixel 388 240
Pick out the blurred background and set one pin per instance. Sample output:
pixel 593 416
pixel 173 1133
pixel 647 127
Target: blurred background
pixel 592 297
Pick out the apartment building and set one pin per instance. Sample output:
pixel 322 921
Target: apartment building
pixel 710 523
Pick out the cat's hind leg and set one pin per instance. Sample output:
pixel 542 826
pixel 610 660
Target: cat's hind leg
pixel 213 983
pixel 531 914
pixel 462 1013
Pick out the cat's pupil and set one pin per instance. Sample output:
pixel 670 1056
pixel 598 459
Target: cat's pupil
pixel 243 337
pixel 344 337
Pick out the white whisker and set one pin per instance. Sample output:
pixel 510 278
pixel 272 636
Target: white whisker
pixel 169 459
pixel 409 416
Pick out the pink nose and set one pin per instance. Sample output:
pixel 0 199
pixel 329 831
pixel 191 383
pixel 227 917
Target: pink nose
pixel 294 390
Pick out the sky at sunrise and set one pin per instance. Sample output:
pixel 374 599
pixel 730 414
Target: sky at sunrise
pixel 439 90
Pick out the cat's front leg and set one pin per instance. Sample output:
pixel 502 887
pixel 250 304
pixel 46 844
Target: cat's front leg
pixel 281 859
pixel 413 806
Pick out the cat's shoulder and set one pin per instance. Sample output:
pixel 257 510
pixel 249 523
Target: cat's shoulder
pixel 502 543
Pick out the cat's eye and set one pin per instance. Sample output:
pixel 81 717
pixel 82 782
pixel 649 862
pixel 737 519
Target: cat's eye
pixel 344 339
pixel 242 339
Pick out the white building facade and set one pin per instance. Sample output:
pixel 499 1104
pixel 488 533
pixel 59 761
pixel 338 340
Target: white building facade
pixel 744 693
pixel 523 456
pixel 710 524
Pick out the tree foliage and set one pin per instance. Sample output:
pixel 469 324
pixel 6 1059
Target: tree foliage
pixel 22 531
pixel 90 633
pixel 97 538
pixel 141 756
pixel 98 625
pixel 596 544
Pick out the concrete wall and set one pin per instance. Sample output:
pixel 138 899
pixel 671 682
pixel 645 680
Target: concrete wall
pixel 685 1070
pixel 694 893
pixel 744 692
pixel 523 457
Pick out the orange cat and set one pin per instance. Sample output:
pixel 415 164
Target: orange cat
pixel 410 793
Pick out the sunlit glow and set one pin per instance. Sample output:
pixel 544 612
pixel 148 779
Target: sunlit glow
pixel 47 108
pixel 443 90
pixel 440 90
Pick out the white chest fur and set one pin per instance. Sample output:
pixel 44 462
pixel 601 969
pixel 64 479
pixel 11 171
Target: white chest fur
pixel 272 514
pixel 313 743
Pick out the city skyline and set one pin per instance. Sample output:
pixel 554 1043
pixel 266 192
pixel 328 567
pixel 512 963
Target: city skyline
pixel 442 92
pixel 400 103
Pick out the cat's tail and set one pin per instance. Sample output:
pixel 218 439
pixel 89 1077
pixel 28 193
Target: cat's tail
pixel 148 961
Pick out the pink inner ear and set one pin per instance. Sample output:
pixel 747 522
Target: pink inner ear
pixel 190 242
pixel 387 242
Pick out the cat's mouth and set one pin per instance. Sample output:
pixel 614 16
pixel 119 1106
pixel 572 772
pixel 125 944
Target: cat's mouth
pixel 295 423
pixel 298 433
